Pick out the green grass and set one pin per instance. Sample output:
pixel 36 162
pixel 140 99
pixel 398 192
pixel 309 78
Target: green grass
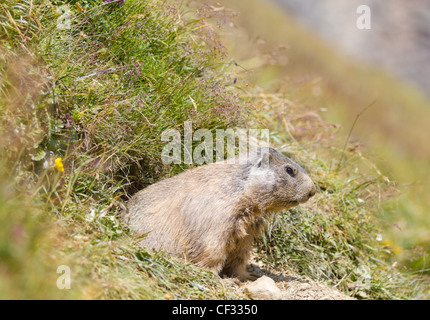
pixel 98 96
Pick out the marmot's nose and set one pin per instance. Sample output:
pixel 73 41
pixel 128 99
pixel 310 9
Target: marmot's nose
pixel 313 191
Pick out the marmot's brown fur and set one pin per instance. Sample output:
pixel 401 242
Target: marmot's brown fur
pixel 211 214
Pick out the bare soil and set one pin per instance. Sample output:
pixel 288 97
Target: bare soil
pixel 293 286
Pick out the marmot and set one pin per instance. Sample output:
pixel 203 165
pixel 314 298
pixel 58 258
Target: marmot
pixel 211 214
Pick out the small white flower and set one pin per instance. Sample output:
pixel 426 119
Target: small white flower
pixel 90 217
pixel 378 237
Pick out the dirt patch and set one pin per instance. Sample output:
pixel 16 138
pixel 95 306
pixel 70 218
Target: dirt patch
pixel 292 286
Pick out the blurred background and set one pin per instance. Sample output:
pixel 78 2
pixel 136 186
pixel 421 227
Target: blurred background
pixel 398 41
pixel 312 52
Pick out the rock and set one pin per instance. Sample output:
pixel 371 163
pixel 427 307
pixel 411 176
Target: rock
pixel 263 288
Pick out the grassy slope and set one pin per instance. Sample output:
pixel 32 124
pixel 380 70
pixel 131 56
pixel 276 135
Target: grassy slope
pixel 99 95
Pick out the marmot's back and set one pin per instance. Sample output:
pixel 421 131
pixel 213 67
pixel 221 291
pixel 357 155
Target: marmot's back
pixel 183 207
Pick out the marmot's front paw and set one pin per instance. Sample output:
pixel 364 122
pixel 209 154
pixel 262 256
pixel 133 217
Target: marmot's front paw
pixel 250 273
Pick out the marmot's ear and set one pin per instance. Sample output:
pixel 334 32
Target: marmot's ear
pixel 264 160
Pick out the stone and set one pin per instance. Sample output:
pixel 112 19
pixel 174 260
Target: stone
pixel 263 288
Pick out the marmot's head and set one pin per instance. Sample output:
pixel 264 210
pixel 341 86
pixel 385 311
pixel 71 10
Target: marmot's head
pixel 282 183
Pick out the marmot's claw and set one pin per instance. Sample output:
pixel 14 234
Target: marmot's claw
pixel 253 276
pixel 252 271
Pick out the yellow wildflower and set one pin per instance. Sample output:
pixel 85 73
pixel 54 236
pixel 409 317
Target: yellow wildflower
pixel 59 164
pixel 396 249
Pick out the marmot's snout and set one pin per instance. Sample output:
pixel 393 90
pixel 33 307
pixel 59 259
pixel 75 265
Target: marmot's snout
pixel 309 189
pixel 313 191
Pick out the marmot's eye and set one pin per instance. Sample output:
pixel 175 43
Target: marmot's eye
pixel 290 171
